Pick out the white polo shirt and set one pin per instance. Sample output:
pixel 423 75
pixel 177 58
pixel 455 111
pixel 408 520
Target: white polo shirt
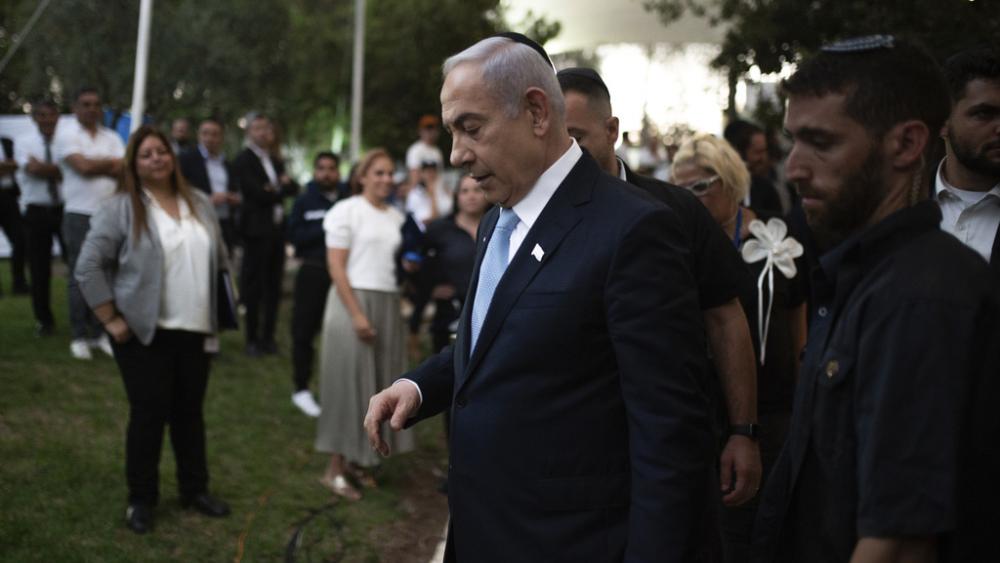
pixel 83 194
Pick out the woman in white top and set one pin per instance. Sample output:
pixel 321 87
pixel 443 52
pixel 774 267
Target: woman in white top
pixel 363 331
pixel 148 269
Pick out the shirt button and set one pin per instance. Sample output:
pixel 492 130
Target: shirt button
pixel 460 402
pixel 822 311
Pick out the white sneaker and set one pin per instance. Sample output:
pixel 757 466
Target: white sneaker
pixel 80 349
pixel 304 400
pixel 103 344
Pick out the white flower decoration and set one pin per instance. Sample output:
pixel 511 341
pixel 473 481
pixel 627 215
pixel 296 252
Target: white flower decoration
pixel 780 251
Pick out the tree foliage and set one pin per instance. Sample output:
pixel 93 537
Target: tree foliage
pixel 289 58
pixel 768 33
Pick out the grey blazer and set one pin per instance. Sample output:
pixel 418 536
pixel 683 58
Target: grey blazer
pixel 114 266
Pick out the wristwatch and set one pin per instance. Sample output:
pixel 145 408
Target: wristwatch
pixel 751 430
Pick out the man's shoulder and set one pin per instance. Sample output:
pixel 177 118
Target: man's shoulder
pixel 932 266
pixel 190 155
pixel 245 155
pixel 615 192
pixel 109 136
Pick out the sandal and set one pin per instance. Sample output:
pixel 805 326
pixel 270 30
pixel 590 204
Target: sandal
pixel 363 476
pixel 340 487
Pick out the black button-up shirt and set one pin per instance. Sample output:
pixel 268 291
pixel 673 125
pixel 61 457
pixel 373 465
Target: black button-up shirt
pixel 903 317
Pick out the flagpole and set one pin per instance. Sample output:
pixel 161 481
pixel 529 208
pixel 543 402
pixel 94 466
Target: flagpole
pixel 141 62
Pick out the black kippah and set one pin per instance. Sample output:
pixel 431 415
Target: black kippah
pixel 525 40
pixel 587 73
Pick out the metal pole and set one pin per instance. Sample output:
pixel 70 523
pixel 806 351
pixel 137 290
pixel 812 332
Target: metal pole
pixel 141 62
pixel 357 78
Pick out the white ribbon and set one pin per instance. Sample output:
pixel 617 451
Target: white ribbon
pixel 780 251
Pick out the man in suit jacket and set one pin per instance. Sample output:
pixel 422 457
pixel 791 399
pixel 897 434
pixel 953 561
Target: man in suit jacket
pixel 968 179
pixel 261 177
pixel 205 167
pixel 579 424
pixel 719 270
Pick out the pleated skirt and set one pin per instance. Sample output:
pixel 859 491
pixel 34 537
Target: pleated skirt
pixel 351 371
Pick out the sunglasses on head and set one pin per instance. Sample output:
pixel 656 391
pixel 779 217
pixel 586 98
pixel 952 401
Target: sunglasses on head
pixel 701 186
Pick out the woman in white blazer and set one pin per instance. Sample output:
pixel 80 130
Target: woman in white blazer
pixel 149 269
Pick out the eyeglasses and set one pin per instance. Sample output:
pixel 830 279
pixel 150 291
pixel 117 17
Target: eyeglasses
pixel 701 186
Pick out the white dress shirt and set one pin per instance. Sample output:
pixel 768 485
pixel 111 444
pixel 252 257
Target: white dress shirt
pixel 218 178
pixel 187 247
pixel 84 194
pixel 34 189
pixel 272 176
pixel 529 208
pixel 972 217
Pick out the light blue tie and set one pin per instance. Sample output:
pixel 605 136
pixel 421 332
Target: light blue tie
pixel 492 269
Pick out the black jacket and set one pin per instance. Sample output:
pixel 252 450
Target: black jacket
pixel 259 198
pixel 305 223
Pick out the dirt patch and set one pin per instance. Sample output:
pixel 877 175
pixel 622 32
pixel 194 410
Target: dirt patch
pixel 415 537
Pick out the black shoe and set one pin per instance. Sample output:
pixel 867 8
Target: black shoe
pixel 206 504
pixel 270 347
pixel 253 350
pixel 43 330
pixel 139 518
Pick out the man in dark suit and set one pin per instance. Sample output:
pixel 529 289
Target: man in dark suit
pixel 261 176
pixel 206 168
pixel 967 186
pixel 579 425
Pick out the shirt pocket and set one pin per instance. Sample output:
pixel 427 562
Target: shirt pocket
pixel 833 409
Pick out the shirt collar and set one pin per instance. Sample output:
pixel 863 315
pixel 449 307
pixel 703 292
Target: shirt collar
pixel 942 185
pixel 261 153
pixel 207 155
pixel 883 237
pixel 529 208
pixel 622 170
pixel 182 206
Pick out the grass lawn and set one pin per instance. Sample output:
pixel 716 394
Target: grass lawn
pixel 62 482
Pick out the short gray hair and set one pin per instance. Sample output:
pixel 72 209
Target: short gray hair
pixel 509 69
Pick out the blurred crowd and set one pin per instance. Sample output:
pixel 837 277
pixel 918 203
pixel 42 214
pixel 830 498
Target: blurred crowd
pixel 168 239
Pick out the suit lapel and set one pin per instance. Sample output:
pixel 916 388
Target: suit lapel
pixel 557 219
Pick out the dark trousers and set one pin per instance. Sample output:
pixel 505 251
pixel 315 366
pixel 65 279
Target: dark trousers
pixel 229 235
pixel 13 228
pixel 165 383
pixel 312 283
pixel 82 321
pixel 737 521
pixel 41 224
pixel 263 266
